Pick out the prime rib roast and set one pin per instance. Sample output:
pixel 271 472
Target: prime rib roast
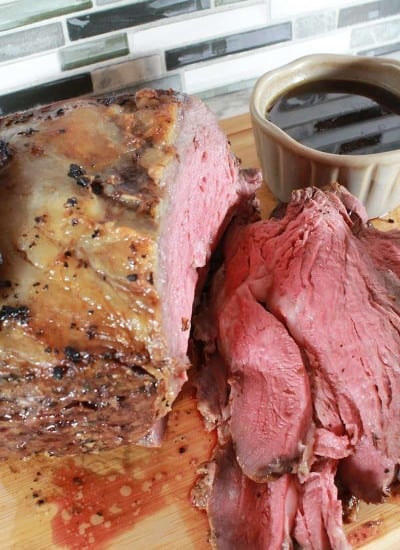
pixel 109 208
pixel 300 338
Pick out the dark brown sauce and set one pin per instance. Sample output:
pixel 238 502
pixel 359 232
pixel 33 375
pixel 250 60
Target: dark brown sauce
pixel 340 117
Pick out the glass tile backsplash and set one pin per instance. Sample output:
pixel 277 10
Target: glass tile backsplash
pixel 368 12
pixel 234 43
pixel 22 12
pixel 29 41
pixel 54 49
pixel 131 15
pixel 64 88
pixel 94 51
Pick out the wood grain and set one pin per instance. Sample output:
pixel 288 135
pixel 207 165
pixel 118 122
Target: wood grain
pixel 161 515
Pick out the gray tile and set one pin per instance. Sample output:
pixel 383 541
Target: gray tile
pixel 378 33
pixel 314 23
pixel 22 12
pixel 164 83
pixel 225 2
pixel 230 104
pixel 105 2
pixel 229 88
pixel 126 74
pixel 94 51
pixel 368 12
pixel 22 43
pixel 387 50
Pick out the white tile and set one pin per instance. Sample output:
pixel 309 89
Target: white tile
pixel 29 71
pixel 254 64
pixel 122 75
pixel 377 33
pixel 197 29
pixel 283 9
pixel 314 23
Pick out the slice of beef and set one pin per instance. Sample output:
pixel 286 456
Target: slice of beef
pixel 270 397
pixel 252 385
pixel 318 278
pixel 108 207
pixel 384 249
pixel 244 514
pixel 282 513
pixel 319 516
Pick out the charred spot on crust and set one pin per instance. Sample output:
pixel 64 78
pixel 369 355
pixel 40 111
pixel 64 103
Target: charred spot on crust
pixel 41 219
pixel 18 313
pixel 83 181
pixel 72 201
pixel 91 332
pixel 72 354
pixel 97 185
pixel 76 171
pixel 6 153
pixel 138 370
pixel 59 372
pixel 18 118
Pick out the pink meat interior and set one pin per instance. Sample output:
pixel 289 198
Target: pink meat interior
pixel 204 189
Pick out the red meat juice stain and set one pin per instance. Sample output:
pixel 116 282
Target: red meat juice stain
pixel 364 533
pixel 94 508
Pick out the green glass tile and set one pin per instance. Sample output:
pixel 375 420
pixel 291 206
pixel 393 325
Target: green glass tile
pixel 94 51
pixel 228 89
pixel 22 12
pixel 29 41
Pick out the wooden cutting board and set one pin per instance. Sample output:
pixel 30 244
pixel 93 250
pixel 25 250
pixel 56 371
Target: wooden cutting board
pixel 140 498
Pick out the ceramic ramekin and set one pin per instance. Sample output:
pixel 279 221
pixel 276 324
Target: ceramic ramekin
pixel 288 165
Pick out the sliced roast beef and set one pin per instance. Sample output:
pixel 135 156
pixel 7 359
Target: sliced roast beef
pixel 244 514
pixel 319 518
pixel 108 208
pixel 384 250
pixel 270 398
pixel 283 513
pixel 318 278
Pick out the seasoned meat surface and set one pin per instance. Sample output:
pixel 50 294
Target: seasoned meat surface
pixel 107 209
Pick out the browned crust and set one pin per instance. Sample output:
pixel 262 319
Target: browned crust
pixel 75 376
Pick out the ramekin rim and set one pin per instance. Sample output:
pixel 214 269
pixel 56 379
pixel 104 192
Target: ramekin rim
pixel 321 156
